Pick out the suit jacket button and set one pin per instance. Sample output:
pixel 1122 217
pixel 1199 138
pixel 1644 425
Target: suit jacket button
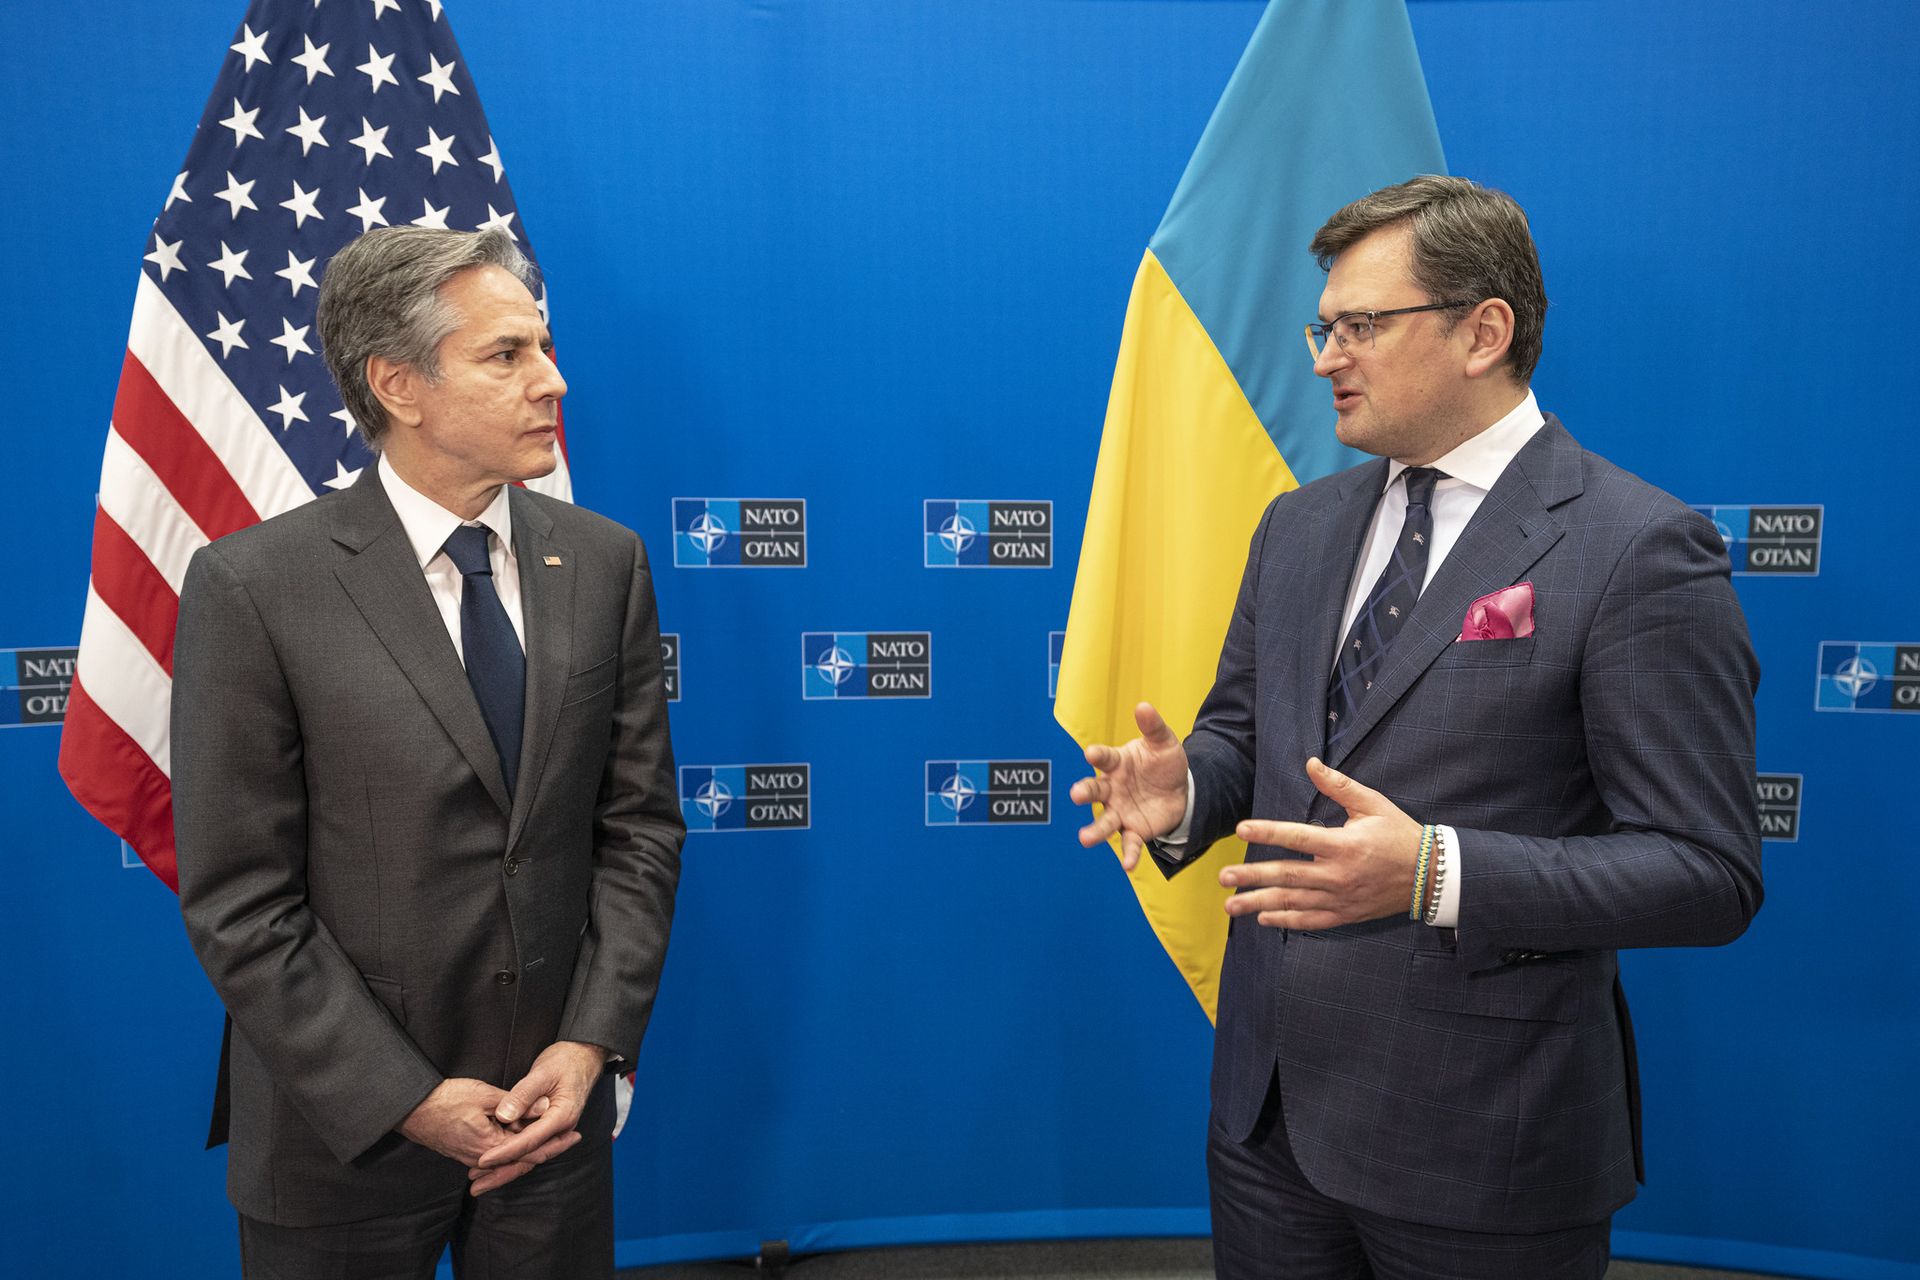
pixel 505 977
pixel 513 864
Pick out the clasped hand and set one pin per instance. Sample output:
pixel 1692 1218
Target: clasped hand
pixel 501 1134
pixel 1363 870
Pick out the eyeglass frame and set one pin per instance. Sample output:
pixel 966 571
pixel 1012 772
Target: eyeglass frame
pixel 1326 330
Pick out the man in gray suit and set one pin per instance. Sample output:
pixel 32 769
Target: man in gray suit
pixel 424 804
pixel 1484 715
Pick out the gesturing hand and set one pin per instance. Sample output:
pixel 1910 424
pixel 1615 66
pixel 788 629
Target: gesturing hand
pixel 1144 789
pixel 1361 871
pixel 551 1098
pixel 456 1120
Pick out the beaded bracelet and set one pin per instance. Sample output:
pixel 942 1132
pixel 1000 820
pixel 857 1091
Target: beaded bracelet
pixel 1420 874
pixel 1439 874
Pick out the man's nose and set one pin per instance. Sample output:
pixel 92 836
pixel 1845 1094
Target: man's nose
pixel 547 383
pixel 1332 358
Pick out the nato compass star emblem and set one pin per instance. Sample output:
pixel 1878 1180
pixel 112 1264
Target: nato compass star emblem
pixel 835 664
pixel 957 793
pixel 713 799
pixel 707 531
pixel 957 533
pixel 1726 534
pixel 1856 676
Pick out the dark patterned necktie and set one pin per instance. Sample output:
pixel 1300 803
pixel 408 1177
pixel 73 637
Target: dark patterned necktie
pixel 1364 654
pixel 496 666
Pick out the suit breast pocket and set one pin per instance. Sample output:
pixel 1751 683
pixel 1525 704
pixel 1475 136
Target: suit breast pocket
pixel 1488 653
pixel 592 681
pixel 1544 991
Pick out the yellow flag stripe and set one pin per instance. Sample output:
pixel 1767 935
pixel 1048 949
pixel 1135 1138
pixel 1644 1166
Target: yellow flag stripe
pixel 1184 471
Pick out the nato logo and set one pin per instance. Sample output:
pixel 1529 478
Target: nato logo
pixel 1056 645
pixel 980 534
pixel 965 793
pixel 866 664
pixel 33 685
pixel 1779 797
pixel 670 664
pixel 1770 540
pixel 1856 676
pixel 736 533
pixel 745 797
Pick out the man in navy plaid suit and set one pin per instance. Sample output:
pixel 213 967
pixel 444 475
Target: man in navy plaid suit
pixel 1484 715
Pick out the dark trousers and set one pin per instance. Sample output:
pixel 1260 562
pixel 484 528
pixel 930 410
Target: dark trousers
pixel 1269 1223
pixel 554 1223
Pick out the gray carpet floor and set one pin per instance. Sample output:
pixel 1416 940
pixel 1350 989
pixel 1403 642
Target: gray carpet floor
pixel 1043 1260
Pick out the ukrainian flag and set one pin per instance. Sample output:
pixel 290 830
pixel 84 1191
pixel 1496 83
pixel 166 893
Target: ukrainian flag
pixel 1214 408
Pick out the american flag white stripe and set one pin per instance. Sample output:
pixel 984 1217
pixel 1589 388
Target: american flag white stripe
pixel 133 497
pixel 124 680
pixel 186 371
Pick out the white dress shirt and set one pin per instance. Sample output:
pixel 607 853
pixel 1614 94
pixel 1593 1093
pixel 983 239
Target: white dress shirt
pixel 1470 471
pixel 428 525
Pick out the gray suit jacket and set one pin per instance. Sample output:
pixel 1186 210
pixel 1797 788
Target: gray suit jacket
pixel 374 912
pixel 1600 776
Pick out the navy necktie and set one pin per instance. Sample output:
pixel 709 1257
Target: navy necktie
pixel 1363 656
pixel 496 666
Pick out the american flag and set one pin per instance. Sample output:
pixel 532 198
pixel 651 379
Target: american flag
pixel 329 117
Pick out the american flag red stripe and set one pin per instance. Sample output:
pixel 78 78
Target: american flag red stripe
pixel 177 454
pixel 127 583
pixel 225 414
pixel 118 782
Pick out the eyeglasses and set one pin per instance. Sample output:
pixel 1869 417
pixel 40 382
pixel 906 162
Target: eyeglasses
pixel 1354 330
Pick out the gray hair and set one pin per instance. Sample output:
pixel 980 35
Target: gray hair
pixel 381 296
pixel 1470 243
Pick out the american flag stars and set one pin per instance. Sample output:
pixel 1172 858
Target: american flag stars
pixel 241 122
pixel 238 195
pixel 251 46
pixel 378 68
pixel 314 60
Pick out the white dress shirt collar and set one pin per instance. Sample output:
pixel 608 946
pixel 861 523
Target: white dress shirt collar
pixel 428 524
pixel 1480 460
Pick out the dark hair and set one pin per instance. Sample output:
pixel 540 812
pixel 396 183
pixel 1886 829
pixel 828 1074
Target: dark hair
pixel 1469 242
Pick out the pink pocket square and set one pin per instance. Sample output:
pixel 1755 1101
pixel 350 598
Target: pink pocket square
pixel 1506 614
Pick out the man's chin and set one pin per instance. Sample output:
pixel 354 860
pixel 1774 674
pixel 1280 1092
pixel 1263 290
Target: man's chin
pixel 540 464
pixel 1356 433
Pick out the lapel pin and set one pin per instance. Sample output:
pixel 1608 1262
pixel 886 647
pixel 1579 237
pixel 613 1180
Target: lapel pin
pixel 552 560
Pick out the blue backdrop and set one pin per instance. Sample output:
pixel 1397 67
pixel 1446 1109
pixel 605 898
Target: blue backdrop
pixel 868 255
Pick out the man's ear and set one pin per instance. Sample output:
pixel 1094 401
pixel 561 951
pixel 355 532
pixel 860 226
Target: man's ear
pixel 1489 332
pixel 397 387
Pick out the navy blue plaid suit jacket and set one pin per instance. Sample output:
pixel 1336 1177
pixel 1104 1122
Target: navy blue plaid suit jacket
pixel 1599 774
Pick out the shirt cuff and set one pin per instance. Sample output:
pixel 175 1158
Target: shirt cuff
pixel 1447 916
pixel 1175 841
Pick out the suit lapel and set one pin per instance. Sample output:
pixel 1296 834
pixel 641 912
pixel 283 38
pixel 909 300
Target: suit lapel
pixel 384 582
pixel 1510 532
pixel 546 607
pixel 1326 599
